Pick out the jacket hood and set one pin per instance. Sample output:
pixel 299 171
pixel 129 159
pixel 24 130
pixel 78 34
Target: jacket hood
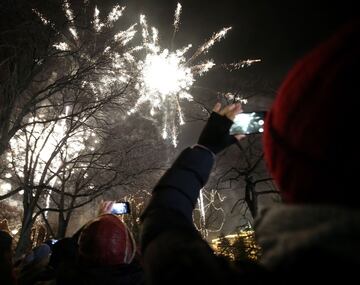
pixel 286 231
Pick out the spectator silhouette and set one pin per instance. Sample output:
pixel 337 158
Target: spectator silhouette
pixel 7 275
pixel 34 265
pixel 105 255
pixel 311 152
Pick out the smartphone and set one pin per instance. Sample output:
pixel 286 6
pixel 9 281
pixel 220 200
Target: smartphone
pixel 53 241
pixel 248 123
pixel 120 208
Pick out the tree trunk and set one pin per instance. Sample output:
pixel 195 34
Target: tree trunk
pixel 3 145
pixel 4 140
pixel 24 243
pixel 250 196
pixel 6 110
pixel 62 226
pixel 63 223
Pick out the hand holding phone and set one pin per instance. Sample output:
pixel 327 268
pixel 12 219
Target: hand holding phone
pixel 120 208
pixel 248 123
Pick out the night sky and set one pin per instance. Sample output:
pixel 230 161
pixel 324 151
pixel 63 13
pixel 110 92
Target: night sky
pixel 279 32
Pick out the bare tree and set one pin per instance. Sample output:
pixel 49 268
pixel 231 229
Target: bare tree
pixel 62 72
pixel 137 201
pixel 43 147
pixel 24 42
pixel 249 172
pixel 209 216
pixel 60 166
pixel 241 167
pixel 89 176
pixel 49 49
pixel 9 217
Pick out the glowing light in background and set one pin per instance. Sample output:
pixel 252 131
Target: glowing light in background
pixel 42 142
pixel 5 187
pixel 14 232
pixel 209 203
pixel 61 134
pixel 70 16
pixel 61 46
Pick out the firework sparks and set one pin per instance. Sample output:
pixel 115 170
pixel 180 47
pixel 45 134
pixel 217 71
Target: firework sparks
pixel 126 36
pixel 62 46
pixel 241 64
pixel 209 43
pixel 177 17
pixel 97 23
pixel 70 16
pixel 176 23
pixel 120 69
pixel 166 76
pixel 163 77
pixel 113 16
pixel 46 141
pixel 41 17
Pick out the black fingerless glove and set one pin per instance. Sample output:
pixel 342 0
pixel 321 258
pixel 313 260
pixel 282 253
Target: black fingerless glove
pixel 215 135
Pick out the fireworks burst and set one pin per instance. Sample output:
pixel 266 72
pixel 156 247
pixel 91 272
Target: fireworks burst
pixel 164 77
pixel 167 76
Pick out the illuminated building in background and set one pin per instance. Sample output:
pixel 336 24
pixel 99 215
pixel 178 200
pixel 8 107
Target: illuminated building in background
pixel 240 246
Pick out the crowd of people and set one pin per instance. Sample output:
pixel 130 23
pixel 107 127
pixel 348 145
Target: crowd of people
pixel 311 151
pixel 103 251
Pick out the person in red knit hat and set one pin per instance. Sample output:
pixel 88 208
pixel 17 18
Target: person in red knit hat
pixel 309 138
pixel 312 152
pixel 105 253
pixel 311 149
pixel 106 240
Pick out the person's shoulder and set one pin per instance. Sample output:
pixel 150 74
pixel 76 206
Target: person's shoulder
pixel 316 264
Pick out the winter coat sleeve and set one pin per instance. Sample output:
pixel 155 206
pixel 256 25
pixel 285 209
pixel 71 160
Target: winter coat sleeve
pixel 176 194
pixel 172 248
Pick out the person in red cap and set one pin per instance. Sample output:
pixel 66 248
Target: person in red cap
pixel 312 152
pixel 105 255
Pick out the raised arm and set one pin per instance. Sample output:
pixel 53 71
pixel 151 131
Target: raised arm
pixel 169 239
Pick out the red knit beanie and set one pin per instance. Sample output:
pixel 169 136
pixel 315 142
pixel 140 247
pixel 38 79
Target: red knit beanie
pixel 310 132
pixel 106 241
